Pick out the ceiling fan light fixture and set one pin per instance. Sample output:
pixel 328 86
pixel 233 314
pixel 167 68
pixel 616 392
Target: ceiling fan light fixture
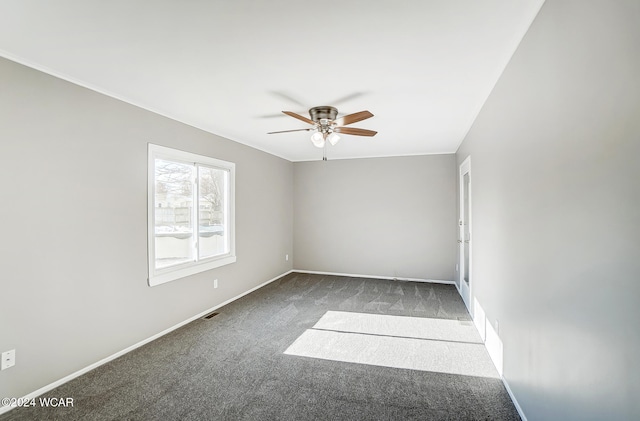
pixel 317 139
pixel 333 138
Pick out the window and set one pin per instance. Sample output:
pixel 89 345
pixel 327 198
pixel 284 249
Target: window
pixel 190 214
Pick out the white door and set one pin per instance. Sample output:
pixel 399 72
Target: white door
pixel 464 235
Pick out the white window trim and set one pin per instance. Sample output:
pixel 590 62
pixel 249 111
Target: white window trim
pixel 161 276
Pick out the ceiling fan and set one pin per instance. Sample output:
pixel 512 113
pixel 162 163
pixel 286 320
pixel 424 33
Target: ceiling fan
pixel 326 127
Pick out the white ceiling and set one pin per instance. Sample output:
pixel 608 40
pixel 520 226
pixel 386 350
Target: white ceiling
pixel 423 68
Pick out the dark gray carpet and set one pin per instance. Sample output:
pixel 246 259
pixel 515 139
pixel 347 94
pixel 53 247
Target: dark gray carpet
pixel 233 366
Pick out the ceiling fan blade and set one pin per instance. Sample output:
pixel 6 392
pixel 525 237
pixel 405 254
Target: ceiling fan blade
pixel 299 117
pixel 287 97
pixel 347 98
pixel 352 118
pixel 287 131
pixel 354 131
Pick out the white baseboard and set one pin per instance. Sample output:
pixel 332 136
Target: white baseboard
pixel 82 371
pixel 514 400
pixel 392 278
pixel 488 334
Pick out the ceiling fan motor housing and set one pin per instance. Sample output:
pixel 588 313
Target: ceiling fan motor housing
pixel 323 112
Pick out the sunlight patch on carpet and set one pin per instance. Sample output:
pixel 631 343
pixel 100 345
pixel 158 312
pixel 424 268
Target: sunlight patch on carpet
pixel 415 343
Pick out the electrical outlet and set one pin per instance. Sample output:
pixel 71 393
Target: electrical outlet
pixel 456 267
pixel 286 257
pixel 497 327
pixel 8 359
pixel 215 283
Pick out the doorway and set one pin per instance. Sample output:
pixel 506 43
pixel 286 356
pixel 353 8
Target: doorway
pixel 464 234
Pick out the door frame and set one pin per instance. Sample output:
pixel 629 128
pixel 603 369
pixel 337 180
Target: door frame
pixel 465 292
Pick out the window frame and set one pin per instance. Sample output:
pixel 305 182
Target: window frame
pixel 181 270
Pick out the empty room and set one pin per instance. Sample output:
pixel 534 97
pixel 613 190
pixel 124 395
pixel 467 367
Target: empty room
pixel 292 210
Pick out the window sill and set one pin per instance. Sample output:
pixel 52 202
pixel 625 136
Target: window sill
pixel 169 275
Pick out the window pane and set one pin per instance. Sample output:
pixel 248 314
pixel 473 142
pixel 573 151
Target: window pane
pixel 212 228
pixel 173 213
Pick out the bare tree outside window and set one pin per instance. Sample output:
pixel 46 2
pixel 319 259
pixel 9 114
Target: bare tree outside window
pixel 174 211
pixel 211 186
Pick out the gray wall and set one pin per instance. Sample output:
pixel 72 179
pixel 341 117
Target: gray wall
pixel 73 255
pixel 556 192
pixel 380 216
